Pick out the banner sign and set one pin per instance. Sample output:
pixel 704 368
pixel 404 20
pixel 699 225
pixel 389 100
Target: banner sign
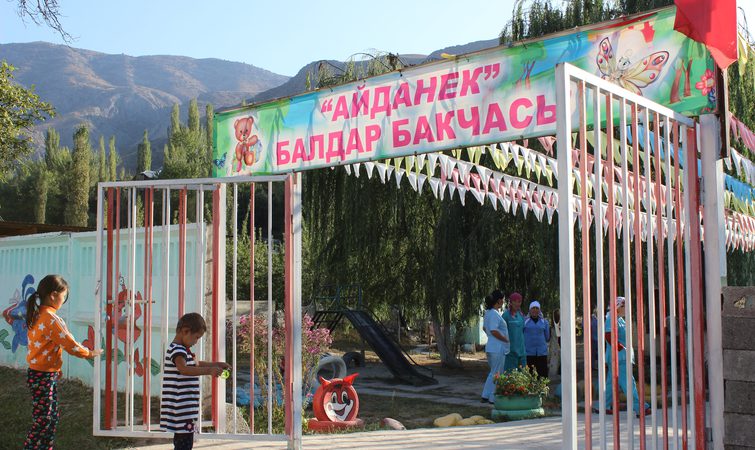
pixel 496 95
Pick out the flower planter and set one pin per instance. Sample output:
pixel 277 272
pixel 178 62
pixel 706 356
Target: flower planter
pixel 517 407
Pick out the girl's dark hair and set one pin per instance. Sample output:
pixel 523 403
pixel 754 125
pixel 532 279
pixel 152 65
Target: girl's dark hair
pixel 46 286
pixel 193 321
pixel 493 298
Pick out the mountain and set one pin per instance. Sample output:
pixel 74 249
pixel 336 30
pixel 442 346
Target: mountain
pixel 297 84
pixel 123 95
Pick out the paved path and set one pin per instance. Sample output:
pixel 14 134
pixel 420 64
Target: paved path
pixel 527 434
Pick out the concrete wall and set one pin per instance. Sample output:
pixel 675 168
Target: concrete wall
pixel 738 327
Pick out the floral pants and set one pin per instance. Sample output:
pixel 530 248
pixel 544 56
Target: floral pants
pixel 44 394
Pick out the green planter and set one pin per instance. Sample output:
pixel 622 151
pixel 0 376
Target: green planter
pixel 517 407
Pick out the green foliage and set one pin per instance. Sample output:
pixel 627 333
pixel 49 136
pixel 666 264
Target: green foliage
pixel 188 153
pixel 112 160
pixel 40 188
pixel 20 109
pixel 193 115
pixel 103 173
pixel 144 154
pixel 77 185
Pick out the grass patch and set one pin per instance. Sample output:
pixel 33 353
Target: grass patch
pixel 75 425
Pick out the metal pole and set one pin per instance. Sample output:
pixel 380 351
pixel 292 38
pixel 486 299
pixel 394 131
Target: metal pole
pixel 100 297
pixel 627 261
pixel 566 259
pixel 715 266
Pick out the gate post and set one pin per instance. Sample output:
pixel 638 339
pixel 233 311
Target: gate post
pixel 715 265
pixel 566 260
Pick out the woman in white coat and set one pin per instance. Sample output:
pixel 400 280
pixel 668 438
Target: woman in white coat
pixel 498 341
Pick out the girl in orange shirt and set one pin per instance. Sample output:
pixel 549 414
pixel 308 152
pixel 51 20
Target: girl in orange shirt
pixel 48 336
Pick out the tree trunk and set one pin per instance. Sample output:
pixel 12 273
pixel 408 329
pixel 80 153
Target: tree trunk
pixel 687 73
pixel 674 97
pixel 446 345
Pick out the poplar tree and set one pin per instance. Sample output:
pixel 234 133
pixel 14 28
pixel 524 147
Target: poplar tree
pixel 144 154
pixel 52 146
pixel 40 188
pixel 175 120
pixel 113 160
pixel 193 115
pixel 104 174
pixel 209 114
pixel 76 212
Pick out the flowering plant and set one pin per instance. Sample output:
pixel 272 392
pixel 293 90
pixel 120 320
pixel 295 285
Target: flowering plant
pixel 314 342
pixel 522 381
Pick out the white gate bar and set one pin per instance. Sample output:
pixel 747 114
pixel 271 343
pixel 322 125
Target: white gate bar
pixel 670 264
pixel 235 300
pixel 132 310
pixel 715 266
pixel 166 280
pixel 688 290
pixel 194 183
pixel 199 271
pixel 270 310
pixel 627 261
pixel 566 258
pixel 296 432
pixel 599 266
pixel 101 296
pixel 650 264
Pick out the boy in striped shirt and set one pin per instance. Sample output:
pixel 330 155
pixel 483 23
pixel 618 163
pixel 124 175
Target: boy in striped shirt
pixel 179 406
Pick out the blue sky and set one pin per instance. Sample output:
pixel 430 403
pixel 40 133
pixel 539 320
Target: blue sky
pixel 281 36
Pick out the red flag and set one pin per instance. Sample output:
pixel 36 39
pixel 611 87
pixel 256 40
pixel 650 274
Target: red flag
pixel 713 23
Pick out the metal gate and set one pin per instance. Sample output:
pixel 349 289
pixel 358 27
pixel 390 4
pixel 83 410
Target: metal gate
pixel 634 166
pixel 159 281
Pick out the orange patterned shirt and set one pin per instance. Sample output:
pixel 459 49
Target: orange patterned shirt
pixel 48 336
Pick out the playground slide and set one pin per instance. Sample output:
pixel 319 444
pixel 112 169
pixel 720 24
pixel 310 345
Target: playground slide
pixel 388 350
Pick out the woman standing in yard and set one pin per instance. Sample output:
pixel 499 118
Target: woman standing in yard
pixel 514 318
pixel 48 336
pixel 498 341
pixel 537 333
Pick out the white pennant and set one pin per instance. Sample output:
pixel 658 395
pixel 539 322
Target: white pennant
pixel 432 159
pixel 388 171
pixel 462 194
pixel 484 174
pixel 421 162
pixel 347 168
pixel 479 196
pixel 369 167
pixel 434 185
pixel 381 171
pixel 356 169
pixel 399 174
pixel 421 178
pixel 493 200
pixel 412 178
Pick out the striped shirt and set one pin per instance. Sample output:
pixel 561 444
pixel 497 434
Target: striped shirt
pixel 179 406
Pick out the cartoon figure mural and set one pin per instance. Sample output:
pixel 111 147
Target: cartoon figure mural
pixel 335 405
pixel 15 314
pixel 631 75
pixel 247 141
pixel 122 332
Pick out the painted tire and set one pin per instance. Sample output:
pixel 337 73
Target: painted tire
pixel 336 401
pixel 320 426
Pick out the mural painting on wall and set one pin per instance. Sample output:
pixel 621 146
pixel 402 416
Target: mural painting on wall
pixel 15 316
pixel 122 331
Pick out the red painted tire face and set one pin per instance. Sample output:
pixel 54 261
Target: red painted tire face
pixel 336 400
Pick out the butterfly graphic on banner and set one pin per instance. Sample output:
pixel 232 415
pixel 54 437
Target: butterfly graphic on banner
pixel 220 162
pixel 632 76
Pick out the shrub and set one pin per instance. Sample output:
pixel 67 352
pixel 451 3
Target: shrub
pixel 522 381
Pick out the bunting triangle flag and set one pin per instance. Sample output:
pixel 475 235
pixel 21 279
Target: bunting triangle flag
pixel 554 167
pixel 451 189
pixel 464 169
pixel 462 194
pixel 397 162
pixel 381 171
pixel 433 186
pixel 411 177
pixel 479 196
pixel 484 173
pixel 493 200
pixel 356 169
pixel 369 167
pixel 347 168
pixel 399 174
pixel 506 203
pixel 409 163
pixel 421 163
pixel 421 178
pixel 388 172
pixel 432 159
pixel 496 183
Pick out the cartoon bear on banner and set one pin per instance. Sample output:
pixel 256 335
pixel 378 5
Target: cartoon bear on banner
pixel 246 141
pixel 335 405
